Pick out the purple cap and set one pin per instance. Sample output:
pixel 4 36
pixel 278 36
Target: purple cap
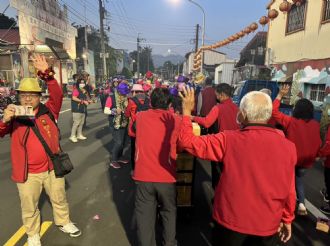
pixel 123 89
pixel 182 79
pixel 174 92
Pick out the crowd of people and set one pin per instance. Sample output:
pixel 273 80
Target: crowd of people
pixel 258 155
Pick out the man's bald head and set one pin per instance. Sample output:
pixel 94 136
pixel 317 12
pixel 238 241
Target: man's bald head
pixel 257 107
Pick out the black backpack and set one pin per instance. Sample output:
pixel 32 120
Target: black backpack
pixel 141 107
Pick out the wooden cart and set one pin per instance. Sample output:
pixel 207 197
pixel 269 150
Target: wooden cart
pixel 186 175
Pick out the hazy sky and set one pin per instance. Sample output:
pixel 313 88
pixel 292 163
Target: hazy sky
pixel 167 25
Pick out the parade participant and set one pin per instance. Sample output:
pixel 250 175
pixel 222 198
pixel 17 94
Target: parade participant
pixel 207 99
pixel 224 114
pixel 89 89
pixel 304 132
pixel 248 208
pixel 118 103
pixel 267 91
pixel 79 103
pixel 155 170
pixel 147 88
pixel 325 153
pixel 32 169
pixel 137 103
pixel 5 100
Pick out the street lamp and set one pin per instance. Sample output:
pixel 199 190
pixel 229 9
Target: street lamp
pixel 203 31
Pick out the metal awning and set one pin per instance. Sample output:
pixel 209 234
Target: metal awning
pixel 49 50
pixel 286 79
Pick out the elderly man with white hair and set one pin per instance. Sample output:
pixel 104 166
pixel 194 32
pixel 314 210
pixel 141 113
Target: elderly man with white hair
pixel 255 198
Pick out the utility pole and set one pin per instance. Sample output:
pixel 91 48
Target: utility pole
pixel 138 56
pixel 103 54
pixel 86 42
pixel 197 37
pixel 148 61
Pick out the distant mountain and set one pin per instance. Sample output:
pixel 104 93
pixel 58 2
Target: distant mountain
pixel 159 60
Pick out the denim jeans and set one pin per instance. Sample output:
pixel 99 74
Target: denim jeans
pixel 300 173
pixel 119 137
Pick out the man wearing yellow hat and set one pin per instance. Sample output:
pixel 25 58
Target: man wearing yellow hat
pixel 32 169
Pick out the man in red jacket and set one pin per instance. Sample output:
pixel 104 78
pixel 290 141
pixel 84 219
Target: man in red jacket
pixel 248 208
pixel 304 132
pixel 224 114
pixel 155 170
pixel 325 153
pixel 138 102
pixel 32 169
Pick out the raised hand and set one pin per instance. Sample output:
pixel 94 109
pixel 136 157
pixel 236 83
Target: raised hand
pixel 9 113
pixel 39 62
pixel 284 90
pixel 188 100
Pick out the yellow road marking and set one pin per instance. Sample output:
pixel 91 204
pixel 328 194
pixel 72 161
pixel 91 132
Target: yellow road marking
pixel 21 231
pixel 16 237
pixel 44 227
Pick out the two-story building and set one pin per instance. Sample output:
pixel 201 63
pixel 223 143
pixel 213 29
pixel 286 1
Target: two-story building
pixel 298 48
pixel 212 59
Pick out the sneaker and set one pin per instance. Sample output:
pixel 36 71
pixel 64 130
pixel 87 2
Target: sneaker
pixel 325 195
pixel 70 229
pixel 123 161
pixel 325 209
pixel 81 137
pixel 115 165
pixel 302 209
pixel 34 240
pixel 73 139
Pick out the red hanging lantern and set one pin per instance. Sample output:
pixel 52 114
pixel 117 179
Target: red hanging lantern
pixel 247 30
pixel 272 14
pixel 285 6
pixel 241 34
pixel 231 39
pixel 253 26
pixel 236 36
pixel 226 41
pixel 264 20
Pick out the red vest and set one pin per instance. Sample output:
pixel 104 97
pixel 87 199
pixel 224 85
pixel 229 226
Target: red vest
pixel 209 99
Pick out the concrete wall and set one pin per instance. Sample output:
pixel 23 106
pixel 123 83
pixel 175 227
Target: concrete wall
pixel 224 73
pixel 310 43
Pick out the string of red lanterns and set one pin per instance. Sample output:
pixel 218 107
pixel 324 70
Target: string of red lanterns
pixel 284 7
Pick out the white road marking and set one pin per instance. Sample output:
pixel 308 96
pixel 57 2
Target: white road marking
pixel 314 210
pixel 205 239
pixel 65 111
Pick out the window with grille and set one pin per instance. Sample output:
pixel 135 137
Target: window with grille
pixel 326 11
pixel 296 18
pixel 317 93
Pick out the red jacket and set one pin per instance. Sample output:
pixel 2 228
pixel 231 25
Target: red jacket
pixel 225 112
pixel 325 150
pixel 155 154
pixel 28 155
pixel 209 100
pixel 130 113
pixel 304 134
pixel 256 190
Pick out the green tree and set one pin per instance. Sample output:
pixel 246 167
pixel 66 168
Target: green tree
pixel 127 73
pixel 146 61
pixel 6 22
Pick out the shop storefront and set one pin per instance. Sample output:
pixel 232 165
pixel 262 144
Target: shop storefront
pixel 44 28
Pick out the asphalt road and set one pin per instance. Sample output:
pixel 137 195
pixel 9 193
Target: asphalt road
pixel 101 198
